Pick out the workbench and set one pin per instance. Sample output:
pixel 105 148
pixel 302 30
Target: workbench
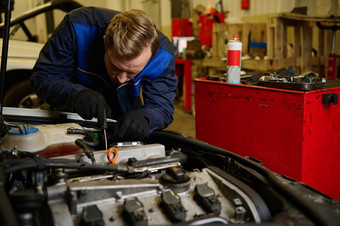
pixel 290 132
pixel 302 26
pixel 280 31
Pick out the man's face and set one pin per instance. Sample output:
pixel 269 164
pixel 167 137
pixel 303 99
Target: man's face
pixel 122 70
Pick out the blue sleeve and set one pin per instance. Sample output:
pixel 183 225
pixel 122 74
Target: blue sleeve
pixel 159 95
pixel 53 71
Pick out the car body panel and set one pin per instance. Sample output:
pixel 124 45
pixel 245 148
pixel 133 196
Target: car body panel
pixel 22 56
pixel 23 49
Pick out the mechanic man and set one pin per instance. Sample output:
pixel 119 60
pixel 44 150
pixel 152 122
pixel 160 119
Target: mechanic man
pixel 97 62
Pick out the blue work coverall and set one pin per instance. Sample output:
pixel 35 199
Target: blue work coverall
pixel 73 60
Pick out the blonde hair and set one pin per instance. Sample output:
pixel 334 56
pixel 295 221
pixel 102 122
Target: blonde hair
pixel 130 32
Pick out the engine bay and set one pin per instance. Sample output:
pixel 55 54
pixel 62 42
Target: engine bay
pixel 61 174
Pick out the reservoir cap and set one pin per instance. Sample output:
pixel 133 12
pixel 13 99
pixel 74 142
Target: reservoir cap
pixel 23 130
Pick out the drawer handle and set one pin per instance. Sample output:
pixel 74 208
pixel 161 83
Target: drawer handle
pixel 254 160
pixel 328 98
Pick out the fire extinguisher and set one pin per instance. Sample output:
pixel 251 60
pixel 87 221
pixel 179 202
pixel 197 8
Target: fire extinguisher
pixel 244 4
pixel 331 71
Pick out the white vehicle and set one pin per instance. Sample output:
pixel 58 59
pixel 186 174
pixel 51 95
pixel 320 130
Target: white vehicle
pixel 21 59
pixel 22 56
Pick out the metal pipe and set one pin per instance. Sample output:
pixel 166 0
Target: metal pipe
pixel 334 40
pixel 164 160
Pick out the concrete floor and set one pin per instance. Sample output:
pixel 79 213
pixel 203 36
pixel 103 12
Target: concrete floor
pixel 184 121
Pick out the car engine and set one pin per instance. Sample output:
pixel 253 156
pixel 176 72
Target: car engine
pixel 61 174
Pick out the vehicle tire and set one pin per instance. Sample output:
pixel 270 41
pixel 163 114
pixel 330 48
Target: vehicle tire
pixel 22 95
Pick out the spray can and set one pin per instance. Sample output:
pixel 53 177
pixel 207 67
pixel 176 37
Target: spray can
pixel 234 61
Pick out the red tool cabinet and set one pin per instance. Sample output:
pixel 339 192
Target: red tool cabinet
pixel 291 132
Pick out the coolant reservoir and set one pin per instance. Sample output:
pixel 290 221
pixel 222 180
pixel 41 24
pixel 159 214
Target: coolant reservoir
pixel 38 137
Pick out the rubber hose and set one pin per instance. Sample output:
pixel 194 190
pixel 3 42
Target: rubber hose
pixel 14 166
pixel 89 139
pixel 88 152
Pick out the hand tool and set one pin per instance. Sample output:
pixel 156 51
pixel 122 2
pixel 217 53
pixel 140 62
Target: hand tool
pixel 104 129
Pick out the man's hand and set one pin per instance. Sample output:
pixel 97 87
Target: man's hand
pixel 132 127
pixel 90 103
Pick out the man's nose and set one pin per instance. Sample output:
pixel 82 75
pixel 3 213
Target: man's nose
pixel 122 77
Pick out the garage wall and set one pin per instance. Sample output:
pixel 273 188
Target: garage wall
pixel 160 10
pixel 256 7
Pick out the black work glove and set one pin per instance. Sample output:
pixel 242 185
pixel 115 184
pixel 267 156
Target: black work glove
pixel 90 103
pixel 131 127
